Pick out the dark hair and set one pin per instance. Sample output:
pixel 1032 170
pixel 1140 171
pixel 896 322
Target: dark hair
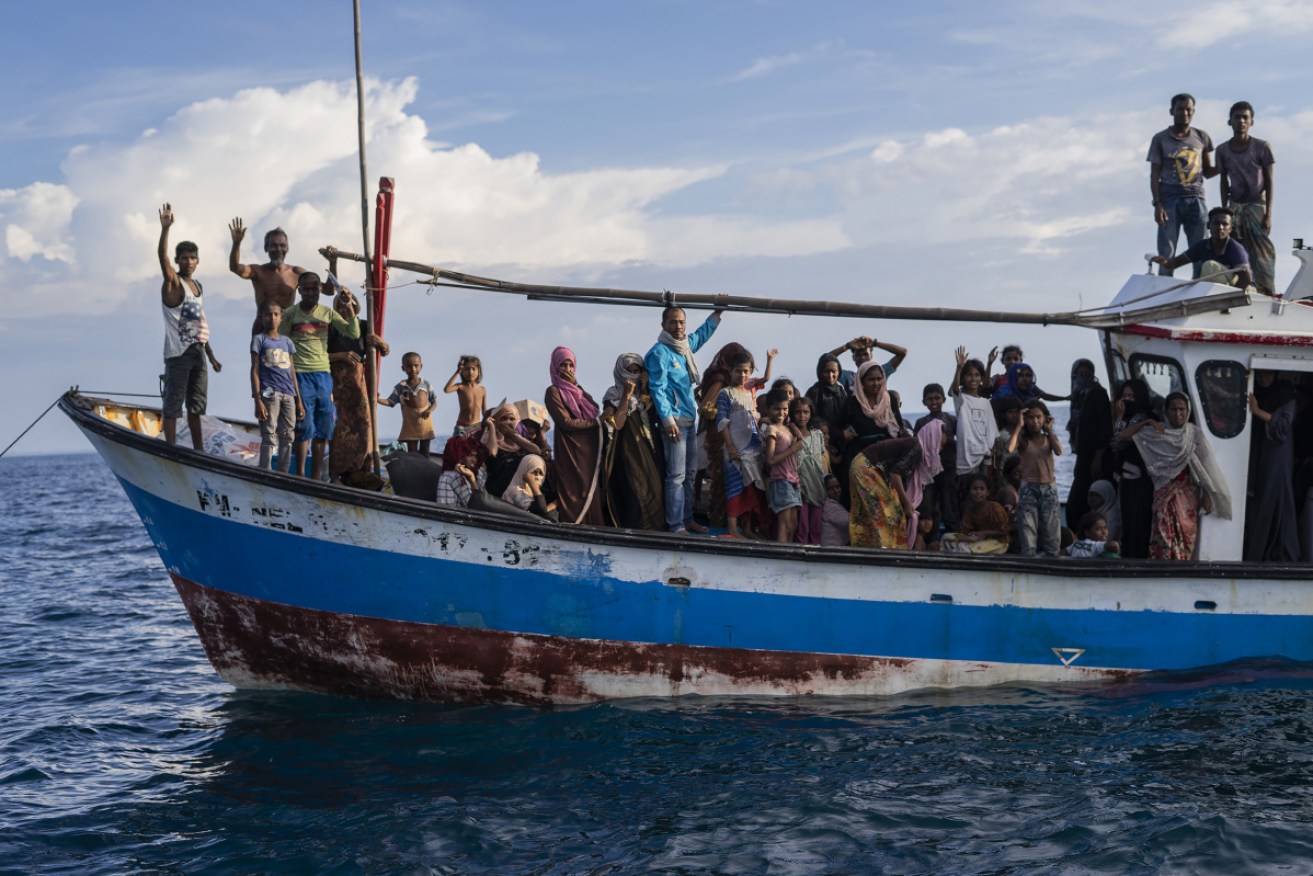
pixel 776 397
pixel 1025 436
pixel 1182 96
pixel 1240 106
pixel 830 477
pixel 977 477
pixel 301 279
pixel 666 311
pixel 186 246
pixel 269 304
pixel 474 360
pixel 974 364
pixel 1002 405
pixel 783 382
pixel 1222 210
pixel 405 356
pixel 269 235
pixel 932 387
pixel 744 358
pixel 1143 401
pixel 799 401
pixel 1088 520
pixel 1011 464
pixel 1010 347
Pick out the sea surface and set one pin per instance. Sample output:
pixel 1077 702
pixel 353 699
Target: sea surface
pixel 122 752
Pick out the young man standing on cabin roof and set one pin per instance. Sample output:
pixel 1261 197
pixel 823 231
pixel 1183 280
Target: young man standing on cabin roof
pixel 862 349
pixel 1180 160
pixel 1219 254
pixel 186 336
pixel 671 375
pixel 1245 164
pixel 274 281
pixel 307 324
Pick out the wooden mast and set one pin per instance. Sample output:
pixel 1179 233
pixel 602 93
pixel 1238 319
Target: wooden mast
pixel 1105 317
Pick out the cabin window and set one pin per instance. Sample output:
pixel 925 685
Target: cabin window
pixel 1223 394
pixel 1117 369
pixel 1163 375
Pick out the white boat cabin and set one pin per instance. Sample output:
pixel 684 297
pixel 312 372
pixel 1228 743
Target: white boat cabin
pixel 1212 358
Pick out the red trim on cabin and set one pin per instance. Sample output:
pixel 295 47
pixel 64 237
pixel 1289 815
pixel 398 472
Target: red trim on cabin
pixel 1219 337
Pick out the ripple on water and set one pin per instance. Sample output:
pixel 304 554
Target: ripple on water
pixel 122 751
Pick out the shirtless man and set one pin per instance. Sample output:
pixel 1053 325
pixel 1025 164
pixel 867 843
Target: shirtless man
pixel 273 282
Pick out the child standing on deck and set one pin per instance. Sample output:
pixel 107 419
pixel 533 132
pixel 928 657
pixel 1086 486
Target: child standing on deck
pixel 273 386
pixel 1036 443
pixel 812 469
pixel 417 400
pixel 783 442
pixel 976 429
pixel 472 396
pixel 942 493
pixel 736 420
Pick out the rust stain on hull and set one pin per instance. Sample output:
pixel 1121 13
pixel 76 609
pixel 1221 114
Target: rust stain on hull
pixel 257 644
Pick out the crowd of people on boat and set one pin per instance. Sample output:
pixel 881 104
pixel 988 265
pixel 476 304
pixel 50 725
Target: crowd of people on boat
pixel 836 464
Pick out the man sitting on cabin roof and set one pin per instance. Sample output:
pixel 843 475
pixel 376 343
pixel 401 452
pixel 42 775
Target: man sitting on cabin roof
pixel 1218 254
pixel 307 324
pixel 274 281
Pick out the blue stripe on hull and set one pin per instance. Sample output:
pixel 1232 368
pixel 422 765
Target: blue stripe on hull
pixel 325 576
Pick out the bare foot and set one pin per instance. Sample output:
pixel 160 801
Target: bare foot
pixel 694 526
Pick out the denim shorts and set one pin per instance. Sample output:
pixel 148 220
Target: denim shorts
pixel 782 495
pixel 316 389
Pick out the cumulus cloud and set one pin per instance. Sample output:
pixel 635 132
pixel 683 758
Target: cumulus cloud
pixel 288 158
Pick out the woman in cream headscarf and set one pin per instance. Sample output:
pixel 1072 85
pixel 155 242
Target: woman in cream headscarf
pixel 526 488
pixel 1185 478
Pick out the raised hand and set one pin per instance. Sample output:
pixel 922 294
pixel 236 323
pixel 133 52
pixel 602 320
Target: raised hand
pixel 629 388
pixel 993 357
pixel 166 216
pixel 961 354
pixel 772 353
pixel 237 230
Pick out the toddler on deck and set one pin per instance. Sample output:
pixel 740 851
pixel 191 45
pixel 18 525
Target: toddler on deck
pixel 472 397
pixel 1094 541
pixel 834 516
pixel 417 400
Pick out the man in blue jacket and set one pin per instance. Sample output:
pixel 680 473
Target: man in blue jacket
pixel 671 375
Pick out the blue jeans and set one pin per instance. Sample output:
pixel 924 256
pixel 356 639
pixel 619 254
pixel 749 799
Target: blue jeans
pixel 1037 520
pixel 1188 213
pixel 681 471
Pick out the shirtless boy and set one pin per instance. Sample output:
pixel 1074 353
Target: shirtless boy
pixel 274 282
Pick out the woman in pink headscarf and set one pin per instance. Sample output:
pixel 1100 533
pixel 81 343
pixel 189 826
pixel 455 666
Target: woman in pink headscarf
pixel 576 468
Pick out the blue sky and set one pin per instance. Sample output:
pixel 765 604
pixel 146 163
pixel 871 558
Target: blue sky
pixel 958 154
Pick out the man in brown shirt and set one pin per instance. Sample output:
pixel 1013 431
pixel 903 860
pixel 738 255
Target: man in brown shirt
pixel 274 281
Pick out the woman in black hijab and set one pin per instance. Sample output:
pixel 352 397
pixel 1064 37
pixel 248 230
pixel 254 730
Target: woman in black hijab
pixel 1134 488
pixel 1271 534
pixel 1090 428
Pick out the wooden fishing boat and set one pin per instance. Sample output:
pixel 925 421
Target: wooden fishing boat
pixel 305 585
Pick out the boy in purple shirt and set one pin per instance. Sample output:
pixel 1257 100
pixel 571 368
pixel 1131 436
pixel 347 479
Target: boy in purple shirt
pixel 273 386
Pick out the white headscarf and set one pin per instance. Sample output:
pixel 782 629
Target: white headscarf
pixel 1166 455
pixel 621 374
pixel 517 492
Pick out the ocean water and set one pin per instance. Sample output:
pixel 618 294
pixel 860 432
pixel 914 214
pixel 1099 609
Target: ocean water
pixel 122 752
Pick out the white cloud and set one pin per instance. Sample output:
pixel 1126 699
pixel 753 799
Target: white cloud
pixel 288 158
pixel 35 219
pixel 763 66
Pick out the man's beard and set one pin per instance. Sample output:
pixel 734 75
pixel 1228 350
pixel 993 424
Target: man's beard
pixel 276 261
